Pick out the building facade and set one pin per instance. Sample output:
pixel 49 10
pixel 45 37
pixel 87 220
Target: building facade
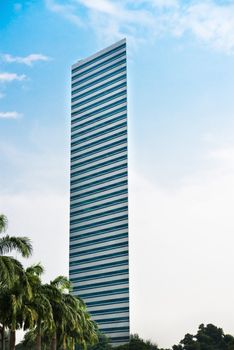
pixel 99 259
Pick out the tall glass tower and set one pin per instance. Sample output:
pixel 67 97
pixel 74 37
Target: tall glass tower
pixel 99 265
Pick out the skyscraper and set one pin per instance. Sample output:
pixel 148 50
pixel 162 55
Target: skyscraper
pixel 99 265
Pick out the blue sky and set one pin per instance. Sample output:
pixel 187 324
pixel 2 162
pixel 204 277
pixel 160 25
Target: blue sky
pixel 180 93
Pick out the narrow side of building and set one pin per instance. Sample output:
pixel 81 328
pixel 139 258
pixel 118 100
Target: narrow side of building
pixel 99 259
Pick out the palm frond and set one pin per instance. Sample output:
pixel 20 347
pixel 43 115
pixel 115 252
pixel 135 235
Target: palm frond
pixel 3 223
pixel 10 268
pixel 36 269
pixel 62 283
pixel 21 244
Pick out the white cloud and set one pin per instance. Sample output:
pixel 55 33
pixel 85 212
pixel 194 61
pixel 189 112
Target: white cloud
pixel 104 6
pixel 67 11
pixel 162 3
pixel 10 115
pixel 28 60
pixel 9 77
pixel 209 22
pixel 223 154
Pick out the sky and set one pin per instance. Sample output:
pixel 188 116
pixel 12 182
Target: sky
pixel 181 146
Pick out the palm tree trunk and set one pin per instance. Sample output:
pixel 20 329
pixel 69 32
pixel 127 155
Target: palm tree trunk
pixel 64 347
pixel 54 342
pixel 38 336
pixel 12 339
pixel 38 342
pixel 73 344
pixel 3 337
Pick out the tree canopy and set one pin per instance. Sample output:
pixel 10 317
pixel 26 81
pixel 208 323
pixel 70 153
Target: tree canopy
pixel 51 315
pixel 207 337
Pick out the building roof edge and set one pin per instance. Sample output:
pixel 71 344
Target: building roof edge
pixel 89 58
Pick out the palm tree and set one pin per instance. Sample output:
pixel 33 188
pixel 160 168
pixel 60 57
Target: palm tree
pixel 38 305
pixel 79 329
pixel 9 267
pixel 72 323
pixel 55 318
pixel 10 304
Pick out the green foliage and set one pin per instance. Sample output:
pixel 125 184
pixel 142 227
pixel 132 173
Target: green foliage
pixel 102 344
pixel 208 337
pixel 10 267
pixel 52 317
pixel 137 343
pixel 60 318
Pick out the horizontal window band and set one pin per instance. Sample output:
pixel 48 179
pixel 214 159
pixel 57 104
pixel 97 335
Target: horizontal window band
pixel 100 165
pixel 94 234
pixel 104 156
pixel 113 320
pixel 99 215
pixel 98 258
pixel 100 133
pixel 81 66
pixel 99 103
pixel 99 65
pixel 115 329
pixel 94 184
pixel 99 275
pixel 109 311
pixel 98 88
pixel 99 95
pixel 99 223
pixel 105 293
pixel 98 142
pixel 101 189
pixel 99 249
pixel 100 232
pixel 100 80
pixel 100 267
pixel 100 198
pixel 99 173
pixel 99 118
pixel 99 149
pixel 100 157
pixel 111 146
pixel 99 126
pixel 100 73
pixel 100 206
pixel 102 284
pixel 100 240
pixel 119 339
pixel 97 111
pixel 97 183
